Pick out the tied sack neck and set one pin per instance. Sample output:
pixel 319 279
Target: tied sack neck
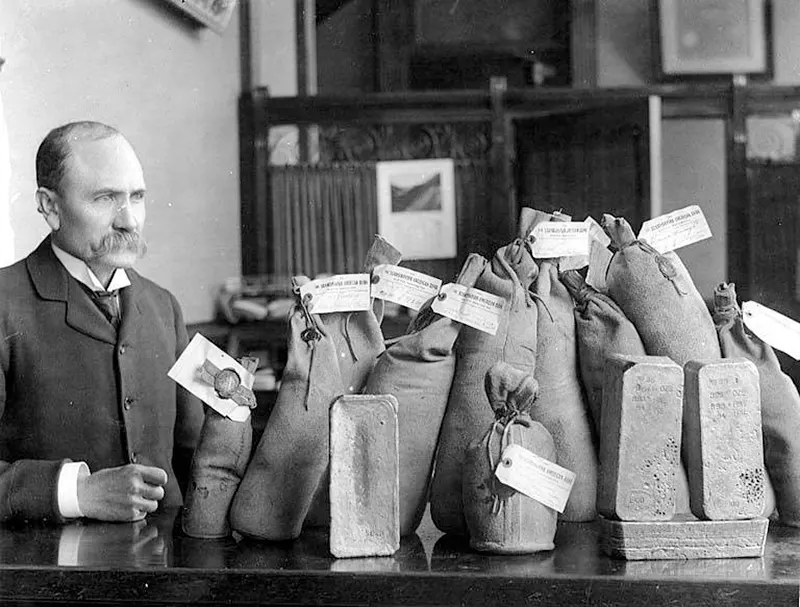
pixel 511 394
pixel 622 237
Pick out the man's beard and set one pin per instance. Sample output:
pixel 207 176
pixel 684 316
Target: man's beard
pixel 120 242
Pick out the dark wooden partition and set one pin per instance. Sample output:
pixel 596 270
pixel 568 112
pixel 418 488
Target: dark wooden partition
pixel 505 144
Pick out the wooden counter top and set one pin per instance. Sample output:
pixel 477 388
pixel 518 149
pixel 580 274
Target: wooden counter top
pixel 152 562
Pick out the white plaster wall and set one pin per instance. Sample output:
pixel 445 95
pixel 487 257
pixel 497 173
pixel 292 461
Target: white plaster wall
pixel 171 86
pixel 786 51
pixel 274 46
pixel 624 42
pixel 695 173
pixel 693 151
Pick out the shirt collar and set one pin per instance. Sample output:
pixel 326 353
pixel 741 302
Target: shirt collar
pixel 78 269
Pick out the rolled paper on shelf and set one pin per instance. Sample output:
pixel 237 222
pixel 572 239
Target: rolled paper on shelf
pixel 418 370
pixel 292 456
pixel 780 406
pixel 658 295
pixel 509 275
pixel 501 519
pixel 218 465
pixel 561 407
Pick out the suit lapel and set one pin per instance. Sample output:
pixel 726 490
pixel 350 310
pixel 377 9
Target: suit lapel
pixel 130 308
pixel 53 282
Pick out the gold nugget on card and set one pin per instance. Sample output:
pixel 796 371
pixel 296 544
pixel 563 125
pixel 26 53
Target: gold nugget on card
pixel 364 479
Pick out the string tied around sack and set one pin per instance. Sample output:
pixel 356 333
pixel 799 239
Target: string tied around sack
pixel 310 335
pixel 511 394
pixel 347 337
pixel 622 237
pixel 725 304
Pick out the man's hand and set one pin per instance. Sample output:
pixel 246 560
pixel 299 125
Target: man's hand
pixel 127 493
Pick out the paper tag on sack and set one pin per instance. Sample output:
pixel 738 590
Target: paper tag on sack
pixel 186 368
pixel 339 293
pixel 403 286
pixel 478 309
pixel 596 232
pixel 560 239
pixel 576 262
pixel 779 331
pixel 536 477
pixel 676 229
pixel 599 258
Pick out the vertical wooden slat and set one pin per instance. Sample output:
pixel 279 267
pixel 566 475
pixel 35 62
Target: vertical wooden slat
pixel 739 225
pixel 256 211
pixel 502 200
pixel 583 44
pixel 394 38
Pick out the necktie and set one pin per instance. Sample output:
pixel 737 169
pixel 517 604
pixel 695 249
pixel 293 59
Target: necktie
pixel 108 302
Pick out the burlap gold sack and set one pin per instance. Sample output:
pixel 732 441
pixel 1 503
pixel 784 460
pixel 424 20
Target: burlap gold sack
pixel 501 519
pixel 358 340
pixel 601 329
pixel 218 466
pixel 659 297
pixel 418 370
pixel 780 406
pixel 508 275
pixel 561 406
pixel 292 456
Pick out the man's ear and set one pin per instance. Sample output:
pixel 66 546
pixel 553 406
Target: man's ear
pixel 47 205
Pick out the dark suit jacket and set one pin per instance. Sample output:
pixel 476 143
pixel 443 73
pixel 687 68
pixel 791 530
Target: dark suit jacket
pixel 72 389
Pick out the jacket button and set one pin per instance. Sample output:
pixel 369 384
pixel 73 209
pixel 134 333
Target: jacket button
pixel 134 457
pixel 122 348
pixel 128 403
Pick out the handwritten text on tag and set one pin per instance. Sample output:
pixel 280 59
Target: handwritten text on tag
pixel 779 331
pixel 473 307
pixel 676 229
pixel 340 293
pixel 595 233
pixel 560 239
pixel 536 477
pixel 403 286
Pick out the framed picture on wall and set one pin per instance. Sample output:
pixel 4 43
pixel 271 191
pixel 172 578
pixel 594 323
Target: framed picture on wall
pixel 417 207
pixel 214 14
pixel 705 37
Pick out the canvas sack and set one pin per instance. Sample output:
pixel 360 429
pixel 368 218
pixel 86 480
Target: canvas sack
pixel 509 275
pixel 601 329
pixel 501 519
pixel 358 340
pixel 418 370
pixel 658 295
pixel 561 406
pixel 291 458
pixel 780 406
pixel 218 465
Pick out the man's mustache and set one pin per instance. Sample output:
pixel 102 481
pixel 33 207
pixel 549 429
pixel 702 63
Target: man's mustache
pixel 119 241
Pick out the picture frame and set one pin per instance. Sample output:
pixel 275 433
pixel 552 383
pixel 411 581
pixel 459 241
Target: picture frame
pixel 213 14
pixel 711 37
pixel 417 207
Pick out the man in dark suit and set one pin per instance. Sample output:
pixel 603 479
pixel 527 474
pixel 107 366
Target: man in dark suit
pixel 90 424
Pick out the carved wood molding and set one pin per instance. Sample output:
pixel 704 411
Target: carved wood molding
pixel 353 143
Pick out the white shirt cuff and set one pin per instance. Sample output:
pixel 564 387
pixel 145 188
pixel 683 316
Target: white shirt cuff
pixel 68 488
